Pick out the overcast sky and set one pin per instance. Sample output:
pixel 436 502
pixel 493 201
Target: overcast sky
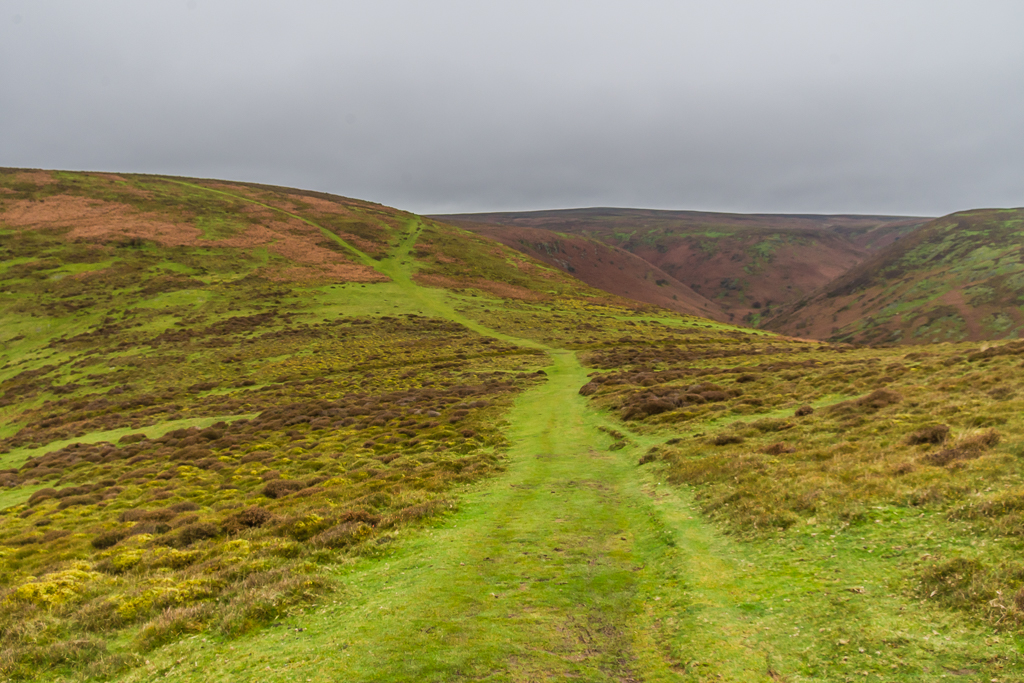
pixel 863 107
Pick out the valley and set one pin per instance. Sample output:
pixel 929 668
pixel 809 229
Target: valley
pixel 747 264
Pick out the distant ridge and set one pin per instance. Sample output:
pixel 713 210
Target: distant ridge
pixel 746 264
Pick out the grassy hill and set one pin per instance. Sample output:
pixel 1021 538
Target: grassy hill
pixel 748 264
pixel 256 433
pixel 957 278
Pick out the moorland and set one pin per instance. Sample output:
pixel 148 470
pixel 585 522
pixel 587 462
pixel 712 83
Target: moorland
pixel 259 433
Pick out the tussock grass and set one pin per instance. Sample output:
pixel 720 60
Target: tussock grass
pixel 923 431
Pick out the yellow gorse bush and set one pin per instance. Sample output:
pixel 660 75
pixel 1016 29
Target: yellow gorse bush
pixel 57 587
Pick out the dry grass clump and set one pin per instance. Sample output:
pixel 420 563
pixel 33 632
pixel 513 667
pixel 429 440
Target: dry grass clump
pixel 650 456
pixel 778 448
pixel 995 591
pixel 932 434
pixel 770 424
pixel 265 596
pixel 420 511
pixel 902 468
pixel 960 582
pixel 343 535
pixel 171 624
pixel 967 446
pixel 725 439
pixel 1002 511
pixel 875 401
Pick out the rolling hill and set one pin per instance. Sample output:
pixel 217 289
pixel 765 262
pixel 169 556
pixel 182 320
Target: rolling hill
pixel 960 277
pixel 748 264
pixel 259 433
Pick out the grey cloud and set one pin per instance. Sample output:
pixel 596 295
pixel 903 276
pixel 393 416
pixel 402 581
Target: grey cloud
pixel 869 107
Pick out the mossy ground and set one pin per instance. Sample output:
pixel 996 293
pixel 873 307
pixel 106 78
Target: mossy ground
pixel 260 478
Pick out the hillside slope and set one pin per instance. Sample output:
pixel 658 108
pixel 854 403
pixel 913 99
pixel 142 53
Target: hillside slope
pixel 602 266
pixel 746 263
pixel 960 277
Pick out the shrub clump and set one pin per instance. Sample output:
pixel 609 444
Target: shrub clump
pixel 198 531
pixel 279 488
pixel 876 400
pixel 967 447
pixel 253 516
pixel 725 439
pixel 172 623
pixel 109 538
pixel 41 494
pixel 343 535
pixel 933 434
